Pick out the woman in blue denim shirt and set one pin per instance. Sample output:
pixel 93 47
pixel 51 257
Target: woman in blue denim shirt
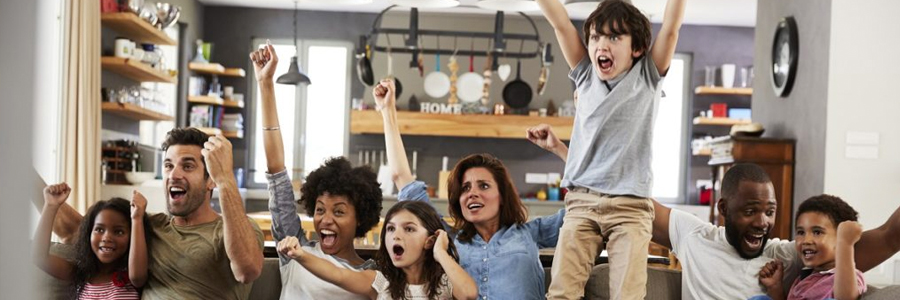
pixel 497 244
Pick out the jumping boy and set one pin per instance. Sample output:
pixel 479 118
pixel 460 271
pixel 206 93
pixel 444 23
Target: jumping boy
pixel 608 173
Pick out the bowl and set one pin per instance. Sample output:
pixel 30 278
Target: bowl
pixel 167 14
pixel 136 178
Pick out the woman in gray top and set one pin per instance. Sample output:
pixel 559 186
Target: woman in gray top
pixel 344 202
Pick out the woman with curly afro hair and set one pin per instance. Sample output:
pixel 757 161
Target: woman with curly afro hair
pixel 344 202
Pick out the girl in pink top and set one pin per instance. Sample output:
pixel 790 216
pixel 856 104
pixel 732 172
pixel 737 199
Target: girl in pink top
pixel 111 251
pixel 826 232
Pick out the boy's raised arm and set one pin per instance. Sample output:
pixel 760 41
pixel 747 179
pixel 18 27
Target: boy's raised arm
pixel 566 34
pixel 664 47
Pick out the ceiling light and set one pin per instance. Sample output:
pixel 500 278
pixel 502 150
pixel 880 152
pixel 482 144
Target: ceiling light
pixel 426 3
pixel 294 75
pixel 509 5
pixel 341 2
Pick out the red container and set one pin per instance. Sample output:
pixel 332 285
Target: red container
pixel 109 6
pixel 720 110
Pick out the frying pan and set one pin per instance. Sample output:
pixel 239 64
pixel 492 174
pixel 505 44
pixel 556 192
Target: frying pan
pixel 469 86
pixel 437 84
pixel 364 65
pixel 517 93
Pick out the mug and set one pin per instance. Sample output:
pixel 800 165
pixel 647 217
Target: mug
pixel 229 91
pixel 123 48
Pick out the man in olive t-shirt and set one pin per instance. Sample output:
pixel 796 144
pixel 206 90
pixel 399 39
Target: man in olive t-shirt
pixel 194 253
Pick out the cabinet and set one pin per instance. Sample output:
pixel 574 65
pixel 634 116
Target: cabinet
pixel 775 156
pixel 201 98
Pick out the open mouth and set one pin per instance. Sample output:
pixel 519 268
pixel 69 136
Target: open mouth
pixel 475 206
pixel 328 237
pixel 809 254
pixel 754 241
pixel 605 63
pixel 106 249
pixel 398 251
pixel 177 193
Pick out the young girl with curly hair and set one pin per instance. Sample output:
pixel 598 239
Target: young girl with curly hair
pixel 111 251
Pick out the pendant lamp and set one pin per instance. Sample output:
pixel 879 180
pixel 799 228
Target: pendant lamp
pixel 294 74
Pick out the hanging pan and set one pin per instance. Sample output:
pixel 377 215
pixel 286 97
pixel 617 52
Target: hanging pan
pixel 517 93
pixel 364 65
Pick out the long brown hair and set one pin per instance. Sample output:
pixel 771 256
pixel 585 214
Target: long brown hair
pixel 432 272
pixel 512 211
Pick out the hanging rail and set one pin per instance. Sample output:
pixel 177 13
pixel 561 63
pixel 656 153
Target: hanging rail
pixel 412 44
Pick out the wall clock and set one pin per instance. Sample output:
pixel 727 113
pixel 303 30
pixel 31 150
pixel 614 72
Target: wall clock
pixel 784 56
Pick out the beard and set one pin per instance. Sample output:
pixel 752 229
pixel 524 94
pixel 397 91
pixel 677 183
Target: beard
pixel 736 239
pixel 192 200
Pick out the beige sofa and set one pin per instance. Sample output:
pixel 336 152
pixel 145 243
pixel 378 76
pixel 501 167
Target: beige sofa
pixel 662 284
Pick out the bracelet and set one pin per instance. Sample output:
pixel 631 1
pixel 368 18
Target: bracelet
pixel 271 128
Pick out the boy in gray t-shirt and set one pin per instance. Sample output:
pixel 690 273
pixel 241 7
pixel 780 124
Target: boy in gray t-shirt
pixel 608 170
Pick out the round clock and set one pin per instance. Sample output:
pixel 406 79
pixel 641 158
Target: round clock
pixel 784 56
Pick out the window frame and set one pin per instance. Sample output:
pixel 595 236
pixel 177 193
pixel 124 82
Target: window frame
pixel 301 96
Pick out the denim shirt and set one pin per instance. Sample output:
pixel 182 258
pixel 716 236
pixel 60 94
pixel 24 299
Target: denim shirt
pixel 509 265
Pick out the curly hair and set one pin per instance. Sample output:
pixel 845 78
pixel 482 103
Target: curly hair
pixel 432 272
pixel 621 18
pixel 186 136
pixel 834 207
pixel 337 177
pixel 86 262
pixel 512 210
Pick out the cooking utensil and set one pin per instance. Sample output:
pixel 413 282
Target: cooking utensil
pixel 437 84
pixel 167 14
pixel 364 65
pixel 517 93
pixel 469 86
pixel 454 67
pixel 148 13
pixel 545 70
pixel 133 5
pixel 486 91
pixel 398 88
pixel 503 72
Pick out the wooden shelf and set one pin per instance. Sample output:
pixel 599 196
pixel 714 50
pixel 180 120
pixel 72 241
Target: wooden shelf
pixel 233 134
pixel 216 69
pixel 703 152
pixel 135 112
pixel 487 126
pixel 133 27
pixel 717 90
pixel 135 69
pixel 228 134
pixel 215 101
pixel 720 121
pixel 210 130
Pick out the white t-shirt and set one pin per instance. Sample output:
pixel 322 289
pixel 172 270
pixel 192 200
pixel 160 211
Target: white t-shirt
pixel 445 289
pixel 298 283
pixel 713 269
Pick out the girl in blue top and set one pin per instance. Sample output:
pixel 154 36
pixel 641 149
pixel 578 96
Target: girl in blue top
pixel 497 244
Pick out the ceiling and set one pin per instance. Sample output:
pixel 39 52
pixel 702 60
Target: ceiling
pixel 698 12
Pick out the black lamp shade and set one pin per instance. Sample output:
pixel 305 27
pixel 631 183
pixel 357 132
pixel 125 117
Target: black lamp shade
pixel 294 75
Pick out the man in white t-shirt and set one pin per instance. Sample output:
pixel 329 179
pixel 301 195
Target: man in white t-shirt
pixel 723 262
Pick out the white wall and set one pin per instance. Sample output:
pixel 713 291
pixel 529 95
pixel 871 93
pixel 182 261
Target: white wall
pixel 863 97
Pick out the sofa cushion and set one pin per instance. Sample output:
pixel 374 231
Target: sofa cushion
pixel 886 293
pixel 661 283
pixel 268 285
